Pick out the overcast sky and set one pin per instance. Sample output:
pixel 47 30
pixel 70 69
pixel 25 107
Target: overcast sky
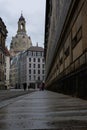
pixel 34 14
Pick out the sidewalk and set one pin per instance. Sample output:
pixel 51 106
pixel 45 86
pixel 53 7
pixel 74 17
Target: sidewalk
pixel 12 93
pixel 44 110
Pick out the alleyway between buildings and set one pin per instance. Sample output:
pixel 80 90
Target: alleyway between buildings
pixel 44 110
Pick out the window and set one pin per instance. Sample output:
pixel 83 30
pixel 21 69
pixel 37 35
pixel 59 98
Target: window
pixel 29 65
pixel 34 71
pixel 29 59
pixel 22 25
pixel 39 53
pixel 77 37
pixel 38 71
pixel 42 71
pixel 43 77
pixel 42 65
pixel 67 52
pixel 74 41
pixel 38 78
pixel 79 34
pixel 34 59
pixel 38 65
pixel 29 71
pixel 30 53
pixel 43 60
pixel 34 65
pixel 34 53
pixel 38 59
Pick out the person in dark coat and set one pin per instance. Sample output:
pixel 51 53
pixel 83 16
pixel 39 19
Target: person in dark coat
pixel 42 86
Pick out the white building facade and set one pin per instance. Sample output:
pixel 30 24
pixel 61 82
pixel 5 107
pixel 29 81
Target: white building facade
pixel 32 67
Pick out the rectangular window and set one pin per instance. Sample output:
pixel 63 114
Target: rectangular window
pixel 38 78
pixel 29 77
pixel 38 59
pixel 79 34
pixel 38 71
pixel 34 53
pixel 29 71
pixel 29 59
pixel 30 53
pixel 34 60
pixel 39 53
pixel 43 77
pixel 74 41
pixel 34 71
pixel 34 65
pixel 77 37
pixel 34 77
pixel 42 71
pixel 38 65
pixel 67 52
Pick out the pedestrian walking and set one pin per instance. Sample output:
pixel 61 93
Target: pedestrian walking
pixel 42 86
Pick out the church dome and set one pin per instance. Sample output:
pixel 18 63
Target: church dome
pixel 21 41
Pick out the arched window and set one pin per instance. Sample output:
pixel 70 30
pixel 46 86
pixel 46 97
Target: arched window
pixel 22 26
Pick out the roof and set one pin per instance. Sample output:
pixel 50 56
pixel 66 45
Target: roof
pixel 21 18
pixel 36 48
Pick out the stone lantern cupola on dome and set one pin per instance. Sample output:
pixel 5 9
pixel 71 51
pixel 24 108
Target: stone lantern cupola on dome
pixel 21 41
pixel 21 18
pixel 21 25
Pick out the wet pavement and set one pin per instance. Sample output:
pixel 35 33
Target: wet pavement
pixel 12 93
pixel 44 110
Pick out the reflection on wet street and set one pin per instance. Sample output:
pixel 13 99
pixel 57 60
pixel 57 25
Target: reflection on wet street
pixel 44 110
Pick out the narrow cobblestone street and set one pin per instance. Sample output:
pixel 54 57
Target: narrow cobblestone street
pixel 44 110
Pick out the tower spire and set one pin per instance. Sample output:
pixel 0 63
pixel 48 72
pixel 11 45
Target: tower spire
pixel 21 13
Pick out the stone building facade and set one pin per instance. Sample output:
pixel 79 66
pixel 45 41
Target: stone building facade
pixel 21 41
pixel 3 34
pixel 32 67
pixel 7 69
pixel 66 46
pixel 14 72
pixel 28 68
